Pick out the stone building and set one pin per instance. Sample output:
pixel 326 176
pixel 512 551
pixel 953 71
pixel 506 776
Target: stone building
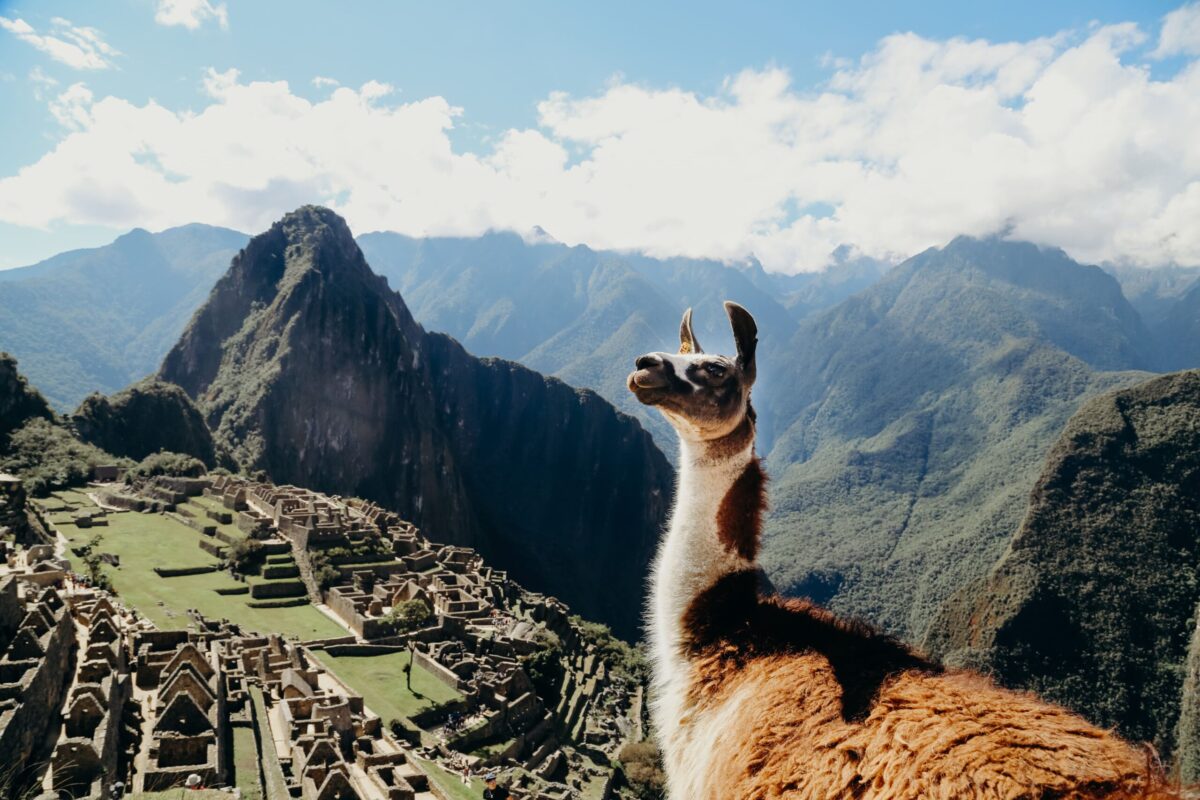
pixel 91 749
pixel 190 721
pixel 37 653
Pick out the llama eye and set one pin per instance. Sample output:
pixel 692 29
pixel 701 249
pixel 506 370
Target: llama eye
pixel 716 370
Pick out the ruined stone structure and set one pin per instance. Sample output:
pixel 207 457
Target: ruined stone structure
pixel 37 650
pixel 90 753
pixel 189 721
pixel 329 747
pixel 482 624
pixel 154 707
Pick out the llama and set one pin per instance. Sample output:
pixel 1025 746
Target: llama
pixel 758 697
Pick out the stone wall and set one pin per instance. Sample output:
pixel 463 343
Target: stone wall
pixel 37 668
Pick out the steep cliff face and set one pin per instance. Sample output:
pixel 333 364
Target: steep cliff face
pixel 19 402
pixel 143 419
pixel 562 483
pixel 307 365
pixel 1092 604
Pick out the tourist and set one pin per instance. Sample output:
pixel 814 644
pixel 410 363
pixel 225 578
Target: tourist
pixel 494 791
pixel 466 774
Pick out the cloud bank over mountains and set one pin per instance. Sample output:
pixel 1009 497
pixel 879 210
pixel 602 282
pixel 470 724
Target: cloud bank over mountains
pixel 1066 141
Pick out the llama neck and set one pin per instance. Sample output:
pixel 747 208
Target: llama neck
pixel 713 532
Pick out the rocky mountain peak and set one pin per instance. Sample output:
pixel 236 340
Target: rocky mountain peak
pixel 306 365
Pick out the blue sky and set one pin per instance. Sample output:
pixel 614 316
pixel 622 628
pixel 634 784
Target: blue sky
pixel 494 64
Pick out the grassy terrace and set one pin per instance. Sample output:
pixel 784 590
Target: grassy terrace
pixel 145 541
pixel 380 680
pixel 199 507
pixel 452 785
pixel 245 763
pixel 276 788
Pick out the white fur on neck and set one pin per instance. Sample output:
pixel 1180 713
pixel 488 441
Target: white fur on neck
pixel 690 559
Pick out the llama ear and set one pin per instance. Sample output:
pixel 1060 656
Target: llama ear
pixel 687 339
pixel 745 336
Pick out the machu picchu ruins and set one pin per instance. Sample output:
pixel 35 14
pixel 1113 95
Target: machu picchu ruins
pixel 227 634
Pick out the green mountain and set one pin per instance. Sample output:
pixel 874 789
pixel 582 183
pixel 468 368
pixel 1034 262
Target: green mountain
pixel 915 415
pixel 1093 603
pixel 145 418
pixel 305 364
pixel 581 314
pixel 97 320
pixel 35 443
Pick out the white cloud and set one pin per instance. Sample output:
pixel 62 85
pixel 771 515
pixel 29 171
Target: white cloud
pixel 74 45
pixel 72 108
pixel 1180 32
pixel 191 14
pixel 1065 141
pixel 322 82
pixel 41 82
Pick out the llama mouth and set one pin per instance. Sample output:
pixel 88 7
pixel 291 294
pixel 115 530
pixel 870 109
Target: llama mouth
pixel 647 385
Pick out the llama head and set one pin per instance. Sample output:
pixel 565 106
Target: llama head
pixel 703 396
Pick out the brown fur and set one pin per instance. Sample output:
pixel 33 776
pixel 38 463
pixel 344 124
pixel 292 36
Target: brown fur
pixel 739 517
pixel 832 709
pixel 787 701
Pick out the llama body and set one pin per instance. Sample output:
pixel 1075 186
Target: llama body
pixel 755 697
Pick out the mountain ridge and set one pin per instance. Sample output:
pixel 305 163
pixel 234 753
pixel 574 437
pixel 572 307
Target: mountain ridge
pixel 306 364
pixel 920 409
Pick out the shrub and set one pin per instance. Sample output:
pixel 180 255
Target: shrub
pixel 246 556
pixel 544 666
pixel 323 572
pixel 643 767
pixel 166 463
pixel 47 457
pixel 626 659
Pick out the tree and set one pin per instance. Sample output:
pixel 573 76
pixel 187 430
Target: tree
pixel 93 562
pixel 409 615
pixel 544 665
pixel 246 555
pixel 323 571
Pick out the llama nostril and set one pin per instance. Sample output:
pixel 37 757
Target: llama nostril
pixel 648 361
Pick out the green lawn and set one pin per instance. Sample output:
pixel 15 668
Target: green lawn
pixel 452 785
pixel 145 541
pixel 380 680
pixel 199 507
pixel 245 763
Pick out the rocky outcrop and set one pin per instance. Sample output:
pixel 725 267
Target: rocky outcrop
pixel 19 402
pixel 1092 605
pixel 145 418
pixel 305 364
